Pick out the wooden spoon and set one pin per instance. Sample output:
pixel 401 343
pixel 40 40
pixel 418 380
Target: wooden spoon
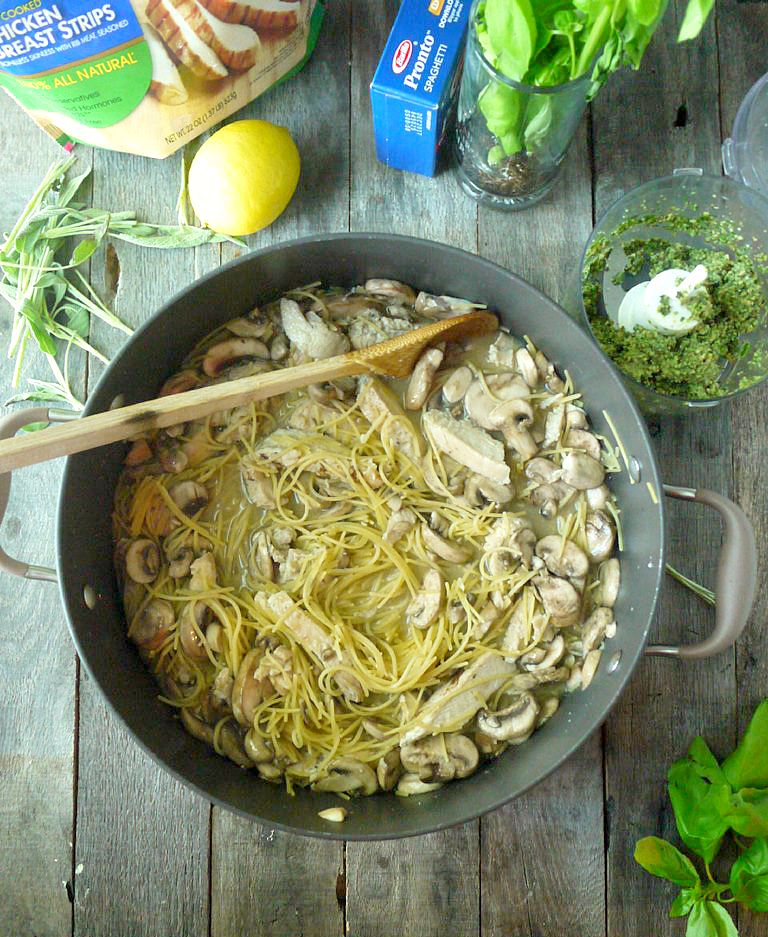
pixel 395 358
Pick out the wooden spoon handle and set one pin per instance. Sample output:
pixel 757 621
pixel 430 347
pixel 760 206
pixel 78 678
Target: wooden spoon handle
pixel 139 418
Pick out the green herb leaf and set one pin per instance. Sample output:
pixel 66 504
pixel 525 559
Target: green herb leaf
pixel 78 318
pixel 40 394
pixel 538 120
pixel 684 902
pixel 70 186
pixel 695 17
pixel 700 806
pixel 710 919
pixel 749 876
pixel 512 32
pixel 502 108
pixel 747 766
pixel 84 250
pixel 664 860
pixel 645 11
pixel 172 236
pixel 33 427
pixel 749 813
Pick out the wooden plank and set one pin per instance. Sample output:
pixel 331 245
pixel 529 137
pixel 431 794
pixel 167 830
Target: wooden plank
pixel 131 816
pixel 428 879
pixel 37 664
pixel 265 882
pixel 646 124
pixel 523 891
pixel 743 27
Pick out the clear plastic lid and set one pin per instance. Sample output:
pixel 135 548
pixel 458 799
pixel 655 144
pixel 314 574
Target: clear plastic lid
pixel 745 154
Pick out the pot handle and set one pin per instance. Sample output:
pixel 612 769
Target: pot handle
pixel 736 577
pixel 9 426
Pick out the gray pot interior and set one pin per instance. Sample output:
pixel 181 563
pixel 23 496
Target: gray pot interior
pixel 156 350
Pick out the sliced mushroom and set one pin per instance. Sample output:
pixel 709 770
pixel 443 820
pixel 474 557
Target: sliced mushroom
pixel 231 743
pixel 152 625
pixel 600 536
pixel 392 289
pixel 594 628
pixel 512 724
pixel 457 385
pixel 311 335
pixel 142 560
pixel 249 688
pixel 609 577
pixel 226 353
pixel 589 668
pixel 548 707
pixel 348 776
pixel 548 374
pixel 584 440
pixel 581 471
pixel 544 657
pixel 444 548
pixel 440 757
pixel 179 562
pixel 388 770
pixel 256 748
pixel 178 383
pixel 400 522
pixel 425 605
pixel 196 727
pixel 468 445
pixel 190 497
pixel 192 622
pixel 479 491
pixel 575 417
pixel 559 598
pixel 203 573
pixel 598 498
pixel 455 702
pixel 422 377
pixel 214 640
pixel 411 785
pixel 564 559
pixel 269 771
pixel 254 325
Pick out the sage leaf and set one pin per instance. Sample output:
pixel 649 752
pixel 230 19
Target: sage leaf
pixel 749 876
pixel 83 251
pixel 684 902
pixel 695 17
pixel 172 236
pixel 710 919
pixel 664 860
pixel 747 766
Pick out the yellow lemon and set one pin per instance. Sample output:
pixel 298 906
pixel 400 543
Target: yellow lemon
pixel 244 176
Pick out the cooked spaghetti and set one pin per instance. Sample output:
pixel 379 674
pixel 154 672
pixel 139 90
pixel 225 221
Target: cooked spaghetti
pixel 369 585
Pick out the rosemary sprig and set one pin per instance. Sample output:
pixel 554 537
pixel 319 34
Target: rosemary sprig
pixel 703 593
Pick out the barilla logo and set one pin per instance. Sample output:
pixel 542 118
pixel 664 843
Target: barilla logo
pixel 436 7
pixel 402 56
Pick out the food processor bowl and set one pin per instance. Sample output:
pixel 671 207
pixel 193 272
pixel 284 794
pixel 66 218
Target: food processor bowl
pixel 687 193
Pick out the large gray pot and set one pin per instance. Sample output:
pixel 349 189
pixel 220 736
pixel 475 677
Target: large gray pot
pixel 157 349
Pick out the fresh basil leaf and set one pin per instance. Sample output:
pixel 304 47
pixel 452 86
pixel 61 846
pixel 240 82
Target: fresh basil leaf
pixel 538 120
pixel 684 902
pixel 710 919
pixel 700 753
pixel 700 808
pixel 645 11
pixel 502 108
pixel 749 876
pixel 747 766
pixel 696 14
pixel 749 812
pixel 512 31
pixel 664 860
pixel 84 250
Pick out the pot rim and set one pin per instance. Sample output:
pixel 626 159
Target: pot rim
pixel 70 596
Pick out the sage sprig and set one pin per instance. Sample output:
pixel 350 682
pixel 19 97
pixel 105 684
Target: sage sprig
pixel 711 800
pixel 51 300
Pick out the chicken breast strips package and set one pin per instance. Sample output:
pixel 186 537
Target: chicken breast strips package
pixel 146 76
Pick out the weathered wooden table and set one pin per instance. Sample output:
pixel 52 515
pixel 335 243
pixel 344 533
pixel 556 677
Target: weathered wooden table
pixel 96 840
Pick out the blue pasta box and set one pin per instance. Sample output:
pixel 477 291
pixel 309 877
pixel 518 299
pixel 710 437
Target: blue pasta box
pixel 414 90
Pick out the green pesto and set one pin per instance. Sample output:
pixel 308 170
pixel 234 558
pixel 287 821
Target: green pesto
pixel 729 307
